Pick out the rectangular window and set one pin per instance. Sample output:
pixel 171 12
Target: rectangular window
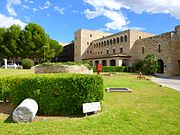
pixel 159 48
pixel 121 50
pixel 90 35
pixel 107 51
pixel 114 51
pixel 142 50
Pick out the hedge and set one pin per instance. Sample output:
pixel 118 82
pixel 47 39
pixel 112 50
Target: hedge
pixel 56 94
pixel 112 68
pixel 116 69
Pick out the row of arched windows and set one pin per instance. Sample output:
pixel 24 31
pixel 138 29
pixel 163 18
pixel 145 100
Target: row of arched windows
pixel 111 41
pixel 107 51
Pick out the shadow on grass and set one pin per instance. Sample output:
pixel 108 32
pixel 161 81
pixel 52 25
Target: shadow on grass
pixel 9 120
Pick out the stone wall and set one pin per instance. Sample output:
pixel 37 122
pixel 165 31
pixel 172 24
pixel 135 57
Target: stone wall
pixel 63 69
pixel 159 45
pixel 175 51
pixel 98 49
pixel 83 39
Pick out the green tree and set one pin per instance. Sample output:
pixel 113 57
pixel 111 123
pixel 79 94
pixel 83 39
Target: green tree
pixel 150 64
pixel 53 49
pixel 34 38
pixel 27 43
pixel 2 34
pixel 10 41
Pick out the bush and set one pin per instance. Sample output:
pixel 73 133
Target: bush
pixel 139 65
pixel 56 94
pixel 27 63
pixel 111 69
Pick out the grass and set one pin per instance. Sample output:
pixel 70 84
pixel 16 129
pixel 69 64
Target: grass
pixel 148 110
pixel 13 72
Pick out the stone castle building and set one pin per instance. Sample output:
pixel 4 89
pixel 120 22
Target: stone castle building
pixel 129 47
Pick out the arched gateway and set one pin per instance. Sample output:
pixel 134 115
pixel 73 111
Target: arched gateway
pixel 161 66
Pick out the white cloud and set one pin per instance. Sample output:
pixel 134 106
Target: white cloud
pixel 155 6
pixel 9 6
pixel 47 4
pixel 34 10
pixel 31 2
pixel 59 10
pixel 112 10
pixel 8 21
pixel 28 19
pixel 25 6
pixel 41 8
pixel 48 14
pixel 75 11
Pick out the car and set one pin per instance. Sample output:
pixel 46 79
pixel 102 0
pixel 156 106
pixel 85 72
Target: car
pixel 10 65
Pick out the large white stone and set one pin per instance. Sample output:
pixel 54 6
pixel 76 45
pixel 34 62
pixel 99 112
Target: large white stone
pixel 26 111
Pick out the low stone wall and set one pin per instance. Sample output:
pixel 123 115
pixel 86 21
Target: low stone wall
pixel 63 69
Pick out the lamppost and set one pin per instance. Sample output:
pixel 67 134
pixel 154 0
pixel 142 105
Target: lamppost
pixel 44 52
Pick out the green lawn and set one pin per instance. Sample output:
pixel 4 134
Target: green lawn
pixel 148 110
pixel 13 72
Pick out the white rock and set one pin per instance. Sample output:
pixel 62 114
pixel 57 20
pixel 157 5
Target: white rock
pixel 26 111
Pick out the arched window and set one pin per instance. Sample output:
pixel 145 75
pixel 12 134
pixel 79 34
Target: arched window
pixel 104 43
pixel 101 43
pixel 104 62
pixel 117 40
pixel 114 41
pixel 112 62
pixel 96 62
pixel 121 38
pixel 110 41
pixel 125 38
pixel 96 44
pixel 107 42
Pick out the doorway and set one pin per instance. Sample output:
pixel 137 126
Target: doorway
pixel 161 66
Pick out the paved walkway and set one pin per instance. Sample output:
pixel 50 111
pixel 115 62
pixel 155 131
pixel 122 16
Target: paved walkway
pixel 171 82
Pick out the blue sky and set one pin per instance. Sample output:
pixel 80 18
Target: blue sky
pixel 60 18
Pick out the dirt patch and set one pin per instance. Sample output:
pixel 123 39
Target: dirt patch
pixel 6 108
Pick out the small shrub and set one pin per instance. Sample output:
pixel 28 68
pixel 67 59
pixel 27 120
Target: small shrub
pixel 56 94
pixel 139 65
pixel 150 64
pixel 27 63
